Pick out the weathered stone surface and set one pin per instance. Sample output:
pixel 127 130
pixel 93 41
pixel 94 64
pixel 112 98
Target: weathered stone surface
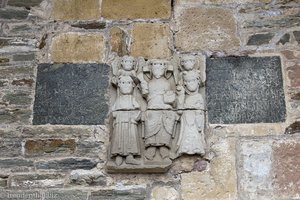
pixel 183 164
pixel 287 169
pixel 87 177
pixel 4 60
pixel 22 3
pixel 16 164
pixel 77 48
pixel 3 83
pixel 164 193
pixel 37 181
pixel 284 39
pixel 3 3
pixel 219 182
pixel 24 57
pixel 205 29
pixel 293 74
pixel 90 25
pixel 90 147
pixel 50 147
pixel 8 13
pixel 255 170
pixel 18 98
pixel 124 193
pixel 20 195
pixel 259 129
pixel 293 128
pixel 66 195
pixel 132 9
pixel 75 94
pixel 245 90
pixel 261 20
pixel 54 132
pixel 154 44
pixel 76 10
pixel 23 82
pixel 10 147
pixel 260 39
pixel 220 1
pixel 3 183
pixel 297 36
pixel 15 116
pixel 118 40
pixel 16 72
pixel 67 164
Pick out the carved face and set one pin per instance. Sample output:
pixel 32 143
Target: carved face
pixel 188 62
pixel 125 84
pixel 158 69
pixel 128 63
pixel 191 82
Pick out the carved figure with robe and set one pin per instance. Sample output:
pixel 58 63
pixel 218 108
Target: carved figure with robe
pixel 160 120
pixel 125 142
pixel 191 136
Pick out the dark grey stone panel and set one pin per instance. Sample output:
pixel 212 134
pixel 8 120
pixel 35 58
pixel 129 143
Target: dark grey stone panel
pixel 71 94
pixel 245 90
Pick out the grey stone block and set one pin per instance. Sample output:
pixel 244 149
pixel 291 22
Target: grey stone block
pixel 37 181
pixel 13 14
pixel 260 39
pixel 67 164
pixel 245 90
pixel 134 193
pixel 22 3
pixel 71 94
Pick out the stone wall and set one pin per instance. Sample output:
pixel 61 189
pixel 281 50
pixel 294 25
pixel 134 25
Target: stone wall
pixel 246 161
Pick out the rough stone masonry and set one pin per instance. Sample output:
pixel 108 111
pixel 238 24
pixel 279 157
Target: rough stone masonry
pixel 45 157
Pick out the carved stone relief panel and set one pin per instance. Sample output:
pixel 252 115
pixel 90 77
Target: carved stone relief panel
pixel 157 115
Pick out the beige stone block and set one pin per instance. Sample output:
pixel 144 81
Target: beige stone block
pixel 77 48
pixel 151 40
pixel 76 9
pixel 164 193
pixel 133 9
pixel 220 1
pixel 219 181
pixel 202 28
pixel 260 129
pixel 118 39
pixel 255 169
pixel 287 169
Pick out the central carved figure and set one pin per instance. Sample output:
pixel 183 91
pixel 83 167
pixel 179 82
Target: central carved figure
pixel 159 118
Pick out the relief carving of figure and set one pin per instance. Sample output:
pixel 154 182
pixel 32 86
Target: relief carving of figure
pixel 126 66
pixel 160 120
pixel 126 115
pixel 192 121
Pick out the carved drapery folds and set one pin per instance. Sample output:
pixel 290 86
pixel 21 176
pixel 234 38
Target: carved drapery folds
pixel 158 113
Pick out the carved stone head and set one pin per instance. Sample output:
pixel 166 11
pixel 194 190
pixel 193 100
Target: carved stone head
pixel 191 81
pixel 128 63
pixel 158 68
pixel 188 62
pixel 125 84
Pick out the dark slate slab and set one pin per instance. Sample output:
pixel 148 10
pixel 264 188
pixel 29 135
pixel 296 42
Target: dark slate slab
pixel 71 94
pixel 244 90
pixel 68 164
